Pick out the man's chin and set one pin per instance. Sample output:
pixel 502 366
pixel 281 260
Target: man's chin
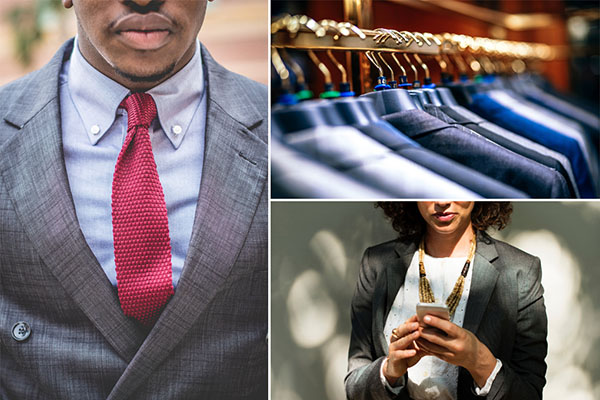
pixel 147 77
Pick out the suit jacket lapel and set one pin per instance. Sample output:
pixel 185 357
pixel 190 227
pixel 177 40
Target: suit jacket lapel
pixel 396 277
pixel 33 169
pixel 233 180
pixel 393 280
pixel 483 282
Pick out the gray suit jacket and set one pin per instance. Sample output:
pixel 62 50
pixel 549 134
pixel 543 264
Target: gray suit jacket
pixel 505 311
pixel 210 340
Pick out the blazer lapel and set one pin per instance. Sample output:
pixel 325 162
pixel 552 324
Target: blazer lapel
pixel 483 282
pixel 393 280
pixel 397 273
pixel 33 169
pixel 233 180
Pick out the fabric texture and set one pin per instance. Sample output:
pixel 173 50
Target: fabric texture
pixel 507 139
pixel 366 160
pixel 495 112
pixel 445 167
pixel 481 154
pixel 210 341
pixel 295 175
pixel 505 310
pixel 140 223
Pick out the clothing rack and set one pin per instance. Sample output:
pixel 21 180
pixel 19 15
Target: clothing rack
pixel 304 33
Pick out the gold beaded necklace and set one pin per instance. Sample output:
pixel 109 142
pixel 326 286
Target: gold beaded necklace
pixel 425 292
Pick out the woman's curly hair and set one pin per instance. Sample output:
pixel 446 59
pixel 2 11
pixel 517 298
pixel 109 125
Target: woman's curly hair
pixel 407 221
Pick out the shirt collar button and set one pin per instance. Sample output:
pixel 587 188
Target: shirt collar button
pixel 176 129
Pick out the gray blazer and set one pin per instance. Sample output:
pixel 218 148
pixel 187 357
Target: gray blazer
pixel 505 311
pixel 210 341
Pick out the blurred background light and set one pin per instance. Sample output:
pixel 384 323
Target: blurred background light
pixel 313 314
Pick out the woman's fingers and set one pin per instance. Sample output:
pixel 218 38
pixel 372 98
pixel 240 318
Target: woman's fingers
pixel 433 348
pixel 405 329
pixel 405 341
pixel 414 318
pixel 401 355
pixel 403 349
pixel 443 325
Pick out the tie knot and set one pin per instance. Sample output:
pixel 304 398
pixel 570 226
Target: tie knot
pixel 141 109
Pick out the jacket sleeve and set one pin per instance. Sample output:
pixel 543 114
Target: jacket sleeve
pixel 363 381
pixel 523 375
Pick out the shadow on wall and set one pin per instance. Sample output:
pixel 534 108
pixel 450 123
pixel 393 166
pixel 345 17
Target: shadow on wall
pixel 316 252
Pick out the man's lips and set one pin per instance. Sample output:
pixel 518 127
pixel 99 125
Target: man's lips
pixel 144 40
pixel 444 216
pixel 144 31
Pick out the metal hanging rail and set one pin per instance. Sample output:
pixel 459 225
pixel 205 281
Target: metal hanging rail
pixel 304 33
pixel 301 32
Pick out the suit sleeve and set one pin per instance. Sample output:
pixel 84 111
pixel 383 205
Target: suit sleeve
pixel 523 375
pixel 363 380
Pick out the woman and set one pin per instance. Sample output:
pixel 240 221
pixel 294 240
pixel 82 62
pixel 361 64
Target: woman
pixel 494 344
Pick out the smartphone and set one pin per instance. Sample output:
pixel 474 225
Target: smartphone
pixel 435 309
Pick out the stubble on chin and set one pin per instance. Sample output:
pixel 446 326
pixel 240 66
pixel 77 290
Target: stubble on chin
pixel 150 77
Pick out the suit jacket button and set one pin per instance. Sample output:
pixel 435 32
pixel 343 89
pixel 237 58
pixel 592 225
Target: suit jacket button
pixel 21 331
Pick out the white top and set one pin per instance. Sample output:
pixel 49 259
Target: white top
pixel 432 378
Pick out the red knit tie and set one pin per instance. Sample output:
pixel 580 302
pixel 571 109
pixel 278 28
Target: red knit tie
pixel 139 217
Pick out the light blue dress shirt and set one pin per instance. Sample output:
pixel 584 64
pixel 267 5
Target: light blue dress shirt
pixel 93 132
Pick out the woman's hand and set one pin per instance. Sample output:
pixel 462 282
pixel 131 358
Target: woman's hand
pixel 458 346
pixel 403 353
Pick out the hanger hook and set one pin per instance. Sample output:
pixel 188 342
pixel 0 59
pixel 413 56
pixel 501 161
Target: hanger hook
pixel 433 37
pixel 292 24
pixel 333 25
pixel 282 71
pixel 313 25
pixel 338 65
pixel 426 40
pixel 384 34
pixel 381 35
pixel 324 70
pixel 300 79
pixel 412 37
pixel 442 63
pixel 449 64
pixel 399 65
pixel 280 23
pixel 472 62
pixel 371 58
pixel 412 67
pixel 353 28
pixel 460 63
pixel 423 65
pixel 387 65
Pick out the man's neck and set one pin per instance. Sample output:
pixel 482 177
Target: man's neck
pixel 137 83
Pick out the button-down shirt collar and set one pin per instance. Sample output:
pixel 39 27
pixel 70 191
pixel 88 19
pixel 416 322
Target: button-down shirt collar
pixel 97 97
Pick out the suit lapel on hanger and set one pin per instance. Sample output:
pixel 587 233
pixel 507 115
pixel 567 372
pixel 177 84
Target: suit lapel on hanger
pixel 233 179
pixel 483 282
pixel 33 169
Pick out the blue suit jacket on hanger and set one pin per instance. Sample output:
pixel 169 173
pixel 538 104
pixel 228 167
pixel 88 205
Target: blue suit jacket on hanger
pixel 492 110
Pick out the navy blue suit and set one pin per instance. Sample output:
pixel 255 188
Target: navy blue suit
pixel 472 150
pixel 492 110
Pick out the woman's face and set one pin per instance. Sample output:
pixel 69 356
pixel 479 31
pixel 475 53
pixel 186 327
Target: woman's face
pixel 446 217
